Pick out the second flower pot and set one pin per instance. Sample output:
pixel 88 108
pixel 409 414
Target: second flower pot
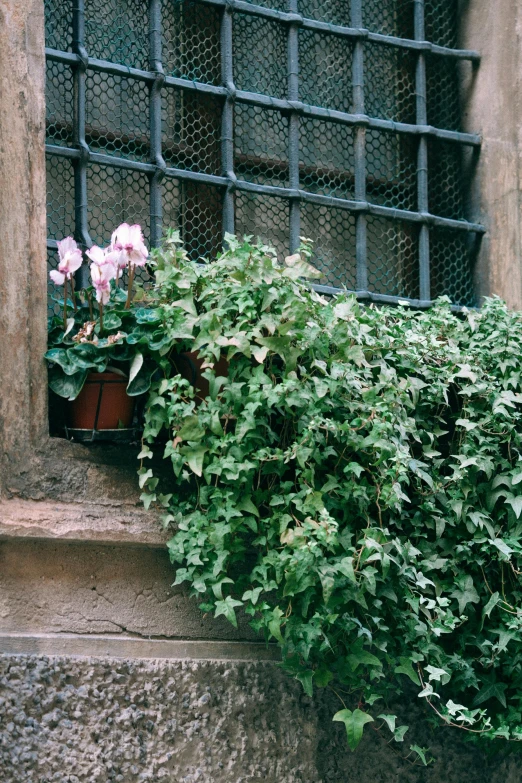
pixel 189 366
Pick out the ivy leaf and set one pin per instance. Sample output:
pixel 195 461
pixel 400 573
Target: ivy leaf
pixel 406 667
pixel 274 625
pixel 398 734
pixel 466 593
pixel 259 353
pixel 359 656
pixel 227 609
pixel 502 547
pixel 322 677
pixel 306 678
pixel 191 429
pixel 195 456
pixel 439 675
pixel 516 504
pixel 245 504
pixel 390 721
pixel 493 601
pixel 491 690
pixel 421 753
pixel 252 595
pixel 354 722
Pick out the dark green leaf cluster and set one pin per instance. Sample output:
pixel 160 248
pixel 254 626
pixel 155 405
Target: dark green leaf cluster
pixel 130 339
pixel 352 483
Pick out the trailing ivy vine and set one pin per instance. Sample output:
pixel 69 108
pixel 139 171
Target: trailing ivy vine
pixel 352 484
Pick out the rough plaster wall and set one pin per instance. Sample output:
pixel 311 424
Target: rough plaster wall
pixel 493 107
pixel 71 720
pixel 23 417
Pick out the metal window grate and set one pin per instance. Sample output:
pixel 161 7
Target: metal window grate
pixel 284 118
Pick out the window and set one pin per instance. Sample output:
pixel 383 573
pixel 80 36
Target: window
pixel 330 119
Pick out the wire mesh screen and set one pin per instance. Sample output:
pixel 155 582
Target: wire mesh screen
pixel 278 119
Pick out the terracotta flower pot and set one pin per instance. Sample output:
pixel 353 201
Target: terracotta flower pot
pixel 103 403
pixel 189 365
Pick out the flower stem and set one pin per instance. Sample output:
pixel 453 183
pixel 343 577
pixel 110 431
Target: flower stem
pixel 101 318
pixel 89 299
pixel 65 304
pixel 131 281
pixel 73 294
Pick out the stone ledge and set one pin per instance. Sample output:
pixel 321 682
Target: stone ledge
pixel 91 646
pixel 80 522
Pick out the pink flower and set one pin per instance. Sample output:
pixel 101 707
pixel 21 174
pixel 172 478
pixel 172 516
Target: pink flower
pixel 102 257
pixel 70 259
pixel 127 246
pixel 101 276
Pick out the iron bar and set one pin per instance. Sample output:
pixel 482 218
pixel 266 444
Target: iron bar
pixel 422 155
pixel 359 150
pixel 293 129
pixel 227 121
pixel 156 211
pixel 258 99
pixel 81 161
pixel 390 213
pixel 343 31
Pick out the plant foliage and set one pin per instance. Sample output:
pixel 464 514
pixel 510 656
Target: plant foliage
pixel 353 485
pixel 130 339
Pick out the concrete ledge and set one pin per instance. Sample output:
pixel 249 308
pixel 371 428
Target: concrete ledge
pixel 81 522
pixel 87 646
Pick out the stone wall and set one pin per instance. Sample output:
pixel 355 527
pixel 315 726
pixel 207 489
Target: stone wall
pixel 79 720
pixel 492 102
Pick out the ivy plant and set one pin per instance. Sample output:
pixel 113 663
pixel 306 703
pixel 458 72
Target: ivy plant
pixel 352 485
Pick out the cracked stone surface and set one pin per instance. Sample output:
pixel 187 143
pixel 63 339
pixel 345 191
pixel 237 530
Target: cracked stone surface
pixel 86 720
pixel 60 587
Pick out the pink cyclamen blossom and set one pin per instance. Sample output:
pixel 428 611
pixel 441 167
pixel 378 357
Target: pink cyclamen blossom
pixel 70 259
pixel 101 276
pixel 127 246
pixel 102 257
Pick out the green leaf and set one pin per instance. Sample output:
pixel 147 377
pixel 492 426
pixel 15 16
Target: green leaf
pixel 354 722
pixel 67 386
pixel 147 316
pixel 390 721
pixel 421 753
pixel 502 547
pixel 466 593
pixel 191 429
pixel 491 690
pixel 358 656
pixel 274 626
pixel 493 601
pixel 406 667
pixel 322 677
pixel 227 608
pixel 399 733
pixel 111 321
pixel 142 380
pixel 195 456
pixel 306 680
pixel 516 504
pixel 245 504
pixel 136 365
